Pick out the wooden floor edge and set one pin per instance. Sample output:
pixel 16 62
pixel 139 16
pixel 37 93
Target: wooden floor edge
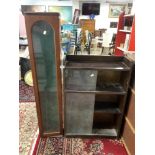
pixel 125 146
pixel 130 125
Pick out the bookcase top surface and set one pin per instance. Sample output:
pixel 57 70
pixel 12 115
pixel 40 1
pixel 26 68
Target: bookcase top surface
pixel 41 13
pixel 97 62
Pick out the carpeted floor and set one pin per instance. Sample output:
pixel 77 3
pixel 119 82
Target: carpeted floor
pixel 28 127
pixel 78 146
pixel 29 139
pixel 26 92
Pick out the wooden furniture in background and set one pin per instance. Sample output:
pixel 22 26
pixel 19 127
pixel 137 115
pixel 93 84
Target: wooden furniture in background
pixel 87 24
pixel 95 90
pixel 103 30
pixel 129 122
pixel 126 25
pixel 97 33
pixel 43 32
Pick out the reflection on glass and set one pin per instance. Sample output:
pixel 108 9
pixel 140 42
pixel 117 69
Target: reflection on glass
pixel 76 79
pixel 44 53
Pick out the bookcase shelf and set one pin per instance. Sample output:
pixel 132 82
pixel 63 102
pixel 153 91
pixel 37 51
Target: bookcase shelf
pixel 105 132
pixel 129 15
pixel 126 31
pixel 122 49
pixel 121 92
pixel 125 38
pixel 129 54
pixel 101 65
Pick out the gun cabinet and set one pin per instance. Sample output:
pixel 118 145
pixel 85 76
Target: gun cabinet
pixel 43 32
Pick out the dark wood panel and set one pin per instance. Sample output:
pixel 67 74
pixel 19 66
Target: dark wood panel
pixel 79 109
pixel 88 58
pixel 112 80
pixel 124 80
pixel 107 107
pixel 105 120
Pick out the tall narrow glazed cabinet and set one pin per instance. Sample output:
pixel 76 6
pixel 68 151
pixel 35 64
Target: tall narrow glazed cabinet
pixel 43 32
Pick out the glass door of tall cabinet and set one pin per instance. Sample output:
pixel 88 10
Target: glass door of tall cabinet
pixel 43 32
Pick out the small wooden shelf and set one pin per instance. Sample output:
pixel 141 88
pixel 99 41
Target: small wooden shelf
pixel 128 21
pixel 105 132
pixel 107 107
pixel 96 132
pixel 129 15
pixel 96 62
pixel 122 49
pixel 111 87
pixel 92 65
pixel 126 31
pixel 129 54
pixel 96 92
pixel 107 88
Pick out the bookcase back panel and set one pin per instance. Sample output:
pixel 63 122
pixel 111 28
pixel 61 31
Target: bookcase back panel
pixel 107 76
pixel 105 120
pixel 106 98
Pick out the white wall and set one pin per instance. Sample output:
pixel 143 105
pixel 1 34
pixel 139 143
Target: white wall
pixel 46 2
pixel 102 20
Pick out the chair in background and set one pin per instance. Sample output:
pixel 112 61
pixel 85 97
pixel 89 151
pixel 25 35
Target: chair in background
pixel 112 44
pixel 108 43
pixel 103 30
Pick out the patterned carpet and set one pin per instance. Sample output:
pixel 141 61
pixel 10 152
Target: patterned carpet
pixel 78 146
pixel 28 127
pixel 28 134
pixel 26 92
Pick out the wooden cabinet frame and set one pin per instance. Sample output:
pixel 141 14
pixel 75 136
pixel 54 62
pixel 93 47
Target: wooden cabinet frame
pixel 106 104
pixel 53 20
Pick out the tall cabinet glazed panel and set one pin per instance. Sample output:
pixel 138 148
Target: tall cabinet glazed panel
pixel 43 31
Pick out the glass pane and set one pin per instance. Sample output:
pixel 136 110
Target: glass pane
pixel 80 79
pixel 79 113
pixel 44 53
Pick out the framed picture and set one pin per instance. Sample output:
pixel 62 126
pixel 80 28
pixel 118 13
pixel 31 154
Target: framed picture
pixel 33 8
pixel 76 16
pixel 116 9
pixel 65 13
pixel 113 24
